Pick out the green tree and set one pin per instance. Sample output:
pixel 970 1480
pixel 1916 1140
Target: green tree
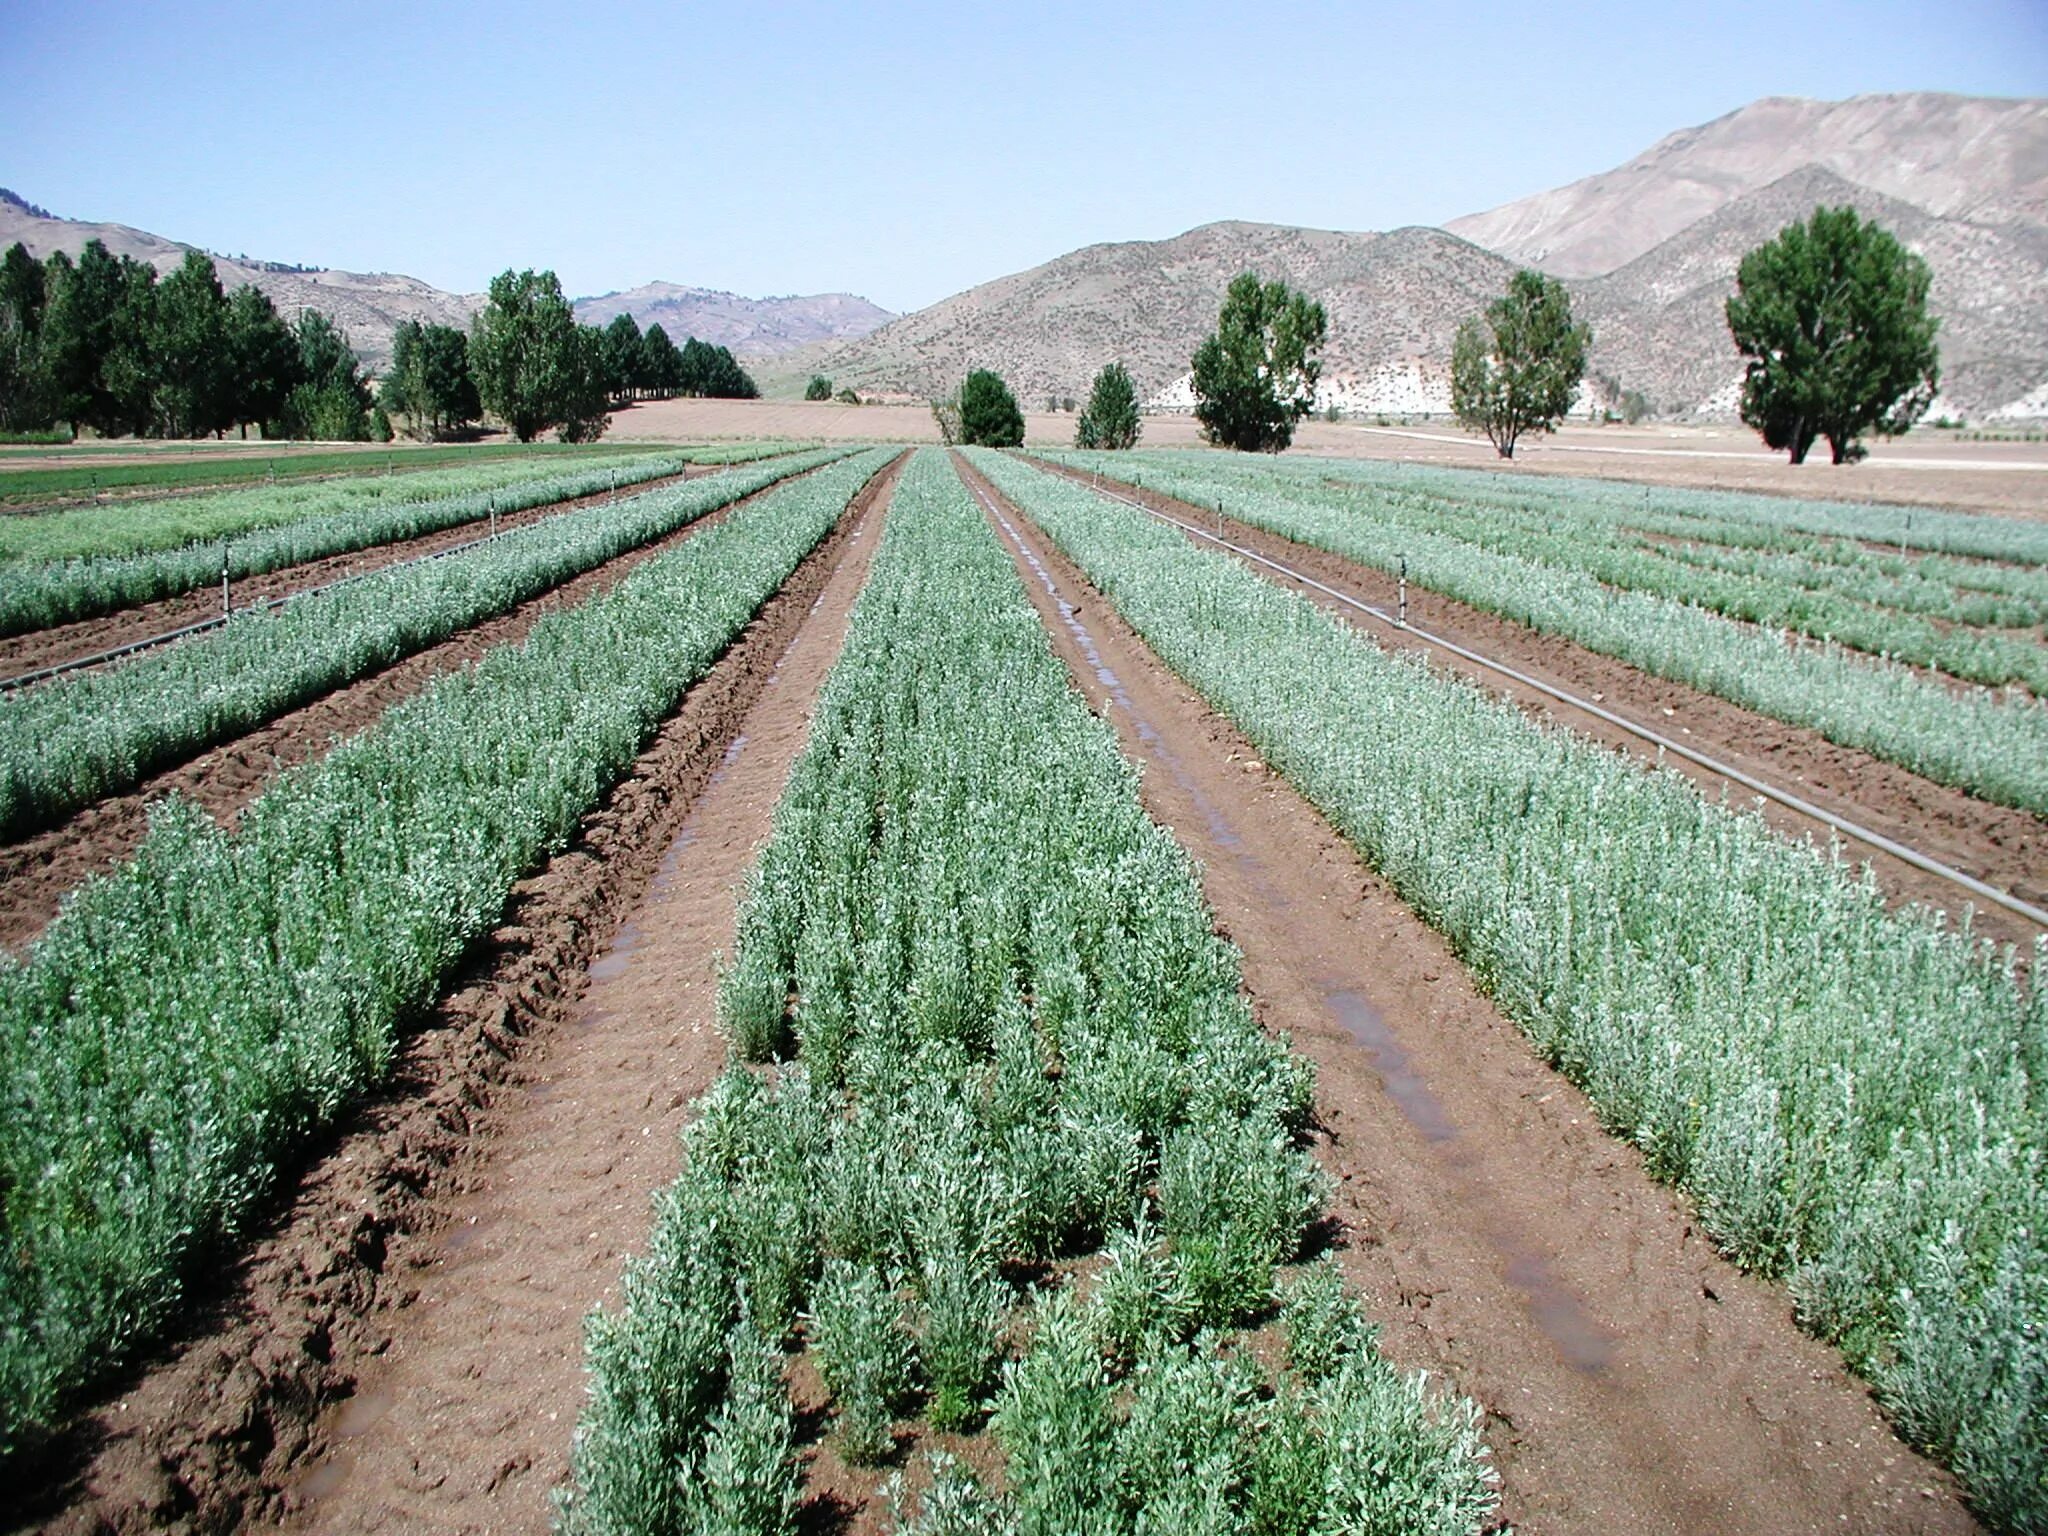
pixel 662 363
pixel 192 356
pixel 1111 417
pixel 330 403
pixel 78 327
pixel 624 357
pixel 1514 371
pixel 1833 317
pixel 429 381
pixel 24 388
pixel 264 356
pixel 713 373
pixel 125 399
pixel 525 353
pixel 820 388
pixel 988 412
pixel 1255 374
pixel 586 395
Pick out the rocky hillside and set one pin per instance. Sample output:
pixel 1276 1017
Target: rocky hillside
pixel 1659 324
pixel 1393 299
pixel 1649 252
pixel 369 306
pixel 750 327
pixel 1977 159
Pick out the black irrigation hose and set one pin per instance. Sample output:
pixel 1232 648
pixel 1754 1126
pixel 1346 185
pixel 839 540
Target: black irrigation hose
pixel 1790 801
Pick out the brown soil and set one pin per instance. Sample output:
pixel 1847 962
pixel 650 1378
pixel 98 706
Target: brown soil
pixel 2001 846
pixel 414 1311
pixel 1632 1380
pixel 87 637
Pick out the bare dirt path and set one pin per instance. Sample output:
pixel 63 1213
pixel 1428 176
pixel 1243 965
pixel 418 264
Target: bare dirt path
pixel 37 871
pixel 88 637
pixel 382 1360
pixel 1633 1381
pixel 2004 847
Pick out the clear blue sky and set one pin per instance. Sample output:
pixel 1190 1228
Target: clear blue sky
pixel 898 151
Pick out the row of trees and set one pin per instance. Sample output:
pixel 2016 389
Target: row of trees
pixel 104 343
pixel 1832 315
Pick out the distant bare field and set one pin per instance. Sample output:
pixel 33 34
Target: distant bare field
pixel 1921 470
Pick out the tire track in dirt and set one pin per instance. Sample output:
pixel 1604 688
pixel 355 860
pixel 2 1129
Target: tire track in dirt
pixel 86 637
pixel 37 872
pixel 2004 847
pixel 1632 1379
pixel 279 1367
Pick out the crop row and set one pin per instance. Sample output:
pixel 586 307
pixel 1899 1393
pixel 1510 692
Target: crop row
pixel 75 740
pixel 1850 598
pixel 1994 746
pixel 191 1018
pixel 1853 1098
pixel 1015 1042
pixel 268 528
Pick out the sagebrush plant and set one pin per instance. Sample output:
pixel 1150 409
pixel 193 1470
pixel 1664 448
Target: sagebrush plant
pixel 1851 1096
pixel 1640 580
pixel 1016 1036
pixel 953 1503
pixel 84 736
pixel 857 1333
pixel 63 567
pixel 191 1018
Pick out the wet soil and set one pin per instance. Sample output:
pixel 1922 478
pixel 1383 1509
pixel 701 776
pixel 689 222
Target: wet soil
pixel 1631 1379
pixel 2003 847
pixel 402 1347
pixel 88 637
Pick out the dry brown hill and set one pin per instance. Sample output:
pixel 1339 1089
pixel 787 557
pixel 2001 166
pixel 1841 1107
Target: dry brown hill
pixel 1976 158
pixel 753 327
pixel 1962 181
pixel 1394 300
pixel 1659 323
pixel 368 306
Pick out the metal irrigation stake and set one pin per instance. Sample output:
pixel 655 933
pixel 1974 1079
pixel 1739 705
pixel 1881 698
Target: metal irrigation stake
pixel 226 608
pixel 1403 619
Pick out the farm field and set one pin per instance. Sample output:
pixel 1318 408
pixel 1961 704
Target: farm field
pixel 815 919
pixel 34 480
pixel 1862 734
pixel 1923 469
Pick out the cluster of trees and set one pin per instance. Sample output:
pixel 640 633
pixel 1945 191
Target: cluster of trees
pixel 1832 315
pixel 103 342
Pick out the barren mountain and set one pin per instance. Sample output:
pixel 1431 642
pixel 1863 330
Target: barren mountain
pixel 368 306
pixel 753 327
pixel 1963 182
pixel 1393 299
pixel 1659 323
pixel 1980 159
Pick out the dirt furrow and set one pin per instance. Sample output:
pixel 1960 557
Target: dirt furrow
pixel 1632 1380
pixel 2004 847
pixel 509 1104
pixel 38 871
pixel 87 637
